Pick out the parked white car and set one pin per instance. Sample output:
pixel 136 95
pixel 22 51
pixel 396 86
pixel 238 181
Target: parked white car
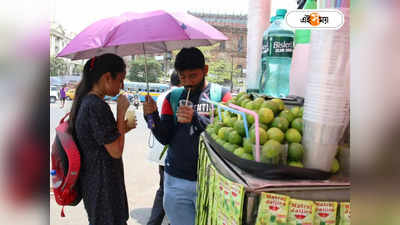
pixel 53 94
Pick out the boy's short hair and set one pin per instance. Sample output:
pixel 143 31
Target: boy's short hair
pixel 189 58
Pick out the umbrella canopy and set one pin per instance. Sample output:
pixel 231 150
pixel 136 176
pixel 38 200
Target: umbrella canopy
pixel 141 33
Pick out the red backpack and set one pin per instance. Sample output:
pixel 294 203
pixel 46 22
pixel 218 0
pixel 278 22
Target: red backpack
pixel 66 161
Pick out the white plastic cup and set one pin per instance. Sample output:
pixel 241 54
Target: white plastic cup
pixel 186 103
pixel 131 117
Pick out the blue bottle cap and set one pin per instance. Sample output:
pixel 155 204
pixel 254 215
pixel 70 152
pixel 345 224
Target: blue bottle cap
pixel 52 172
pixel 281 12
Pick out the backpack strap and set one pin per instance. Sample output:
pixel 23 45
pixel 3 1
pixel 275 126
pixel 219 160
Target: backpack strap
pixel 216 92
pixel 62 120
pixel 174 99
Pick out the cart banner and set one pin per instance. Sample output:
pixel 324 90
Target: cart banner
pixel 301 212
pixel 273 209
pixel 229 197
pixel 326 213
pixel 345 212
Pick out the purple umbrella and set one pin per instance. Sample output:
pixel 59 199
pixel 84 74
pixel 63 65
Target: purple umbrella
pixel 141 33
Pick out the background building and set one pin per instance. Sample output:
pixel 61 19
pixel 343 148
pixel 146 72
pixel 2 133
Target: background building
pixel 234 26
pixel 59 38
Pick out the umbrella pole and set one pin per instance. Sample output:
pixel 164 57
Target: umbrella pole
pixel 145 70
pixel 150 121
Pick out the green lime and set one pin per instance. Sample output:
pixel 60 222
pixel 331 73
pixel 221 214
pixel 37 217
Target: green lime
pixel 221 133
pixel 261 125
pixel 217 125
pixel 276 134
pixel 335 166
pixel 220 141
pixel 234 99
pixel 293 136
pixel 227 132
pixel 239 127
pixel 227 146
pixel 238 151
pixel 258 102
pixel 298 124
pixel 296 164
pixel 246 156
pixel 244 101
pixel 271 149
pixel 226 118
pixel 235 138
pixel 295 152
pixel 265 115
pixel 301 112
pixel 281 123
pixel 230 147
pixel 248 145
pixel 214 136
pixel 263 136
pixel 250 119
pixel 281 104
pixel 250 105
pixel 272 106
pixel 210 129
pixel 287 114
pixel 295 111
pixel 241 94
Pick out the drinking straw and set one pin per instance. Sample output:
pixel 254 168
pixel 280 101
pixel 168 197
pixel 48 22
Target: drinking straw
pixel 243 114
pixel 187 96
pixel 328 4
pixel 345 4
pixel 256 127
pixel 338 3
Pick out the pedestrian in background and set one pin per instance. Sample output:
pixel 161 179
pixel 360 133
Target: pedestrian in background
pixel 62 96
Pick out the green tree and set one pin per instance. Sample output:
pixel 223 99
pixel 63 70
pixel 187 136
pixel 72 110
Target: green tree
pixel 57 66
pixel 137 70
pixel 78 69
pixel 219 69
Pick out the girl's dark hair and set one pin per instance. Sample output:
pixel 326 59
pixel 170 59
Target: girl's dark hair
pixel 92 71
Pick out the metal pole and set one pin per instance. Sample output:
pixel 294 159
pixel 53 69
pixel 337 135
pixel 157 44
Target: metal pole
pixel 232 74
pixel 145 70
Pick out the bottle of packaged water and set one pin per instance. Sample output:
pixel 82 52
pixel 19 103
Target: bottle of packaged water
pixel 276 57
pixel 56 180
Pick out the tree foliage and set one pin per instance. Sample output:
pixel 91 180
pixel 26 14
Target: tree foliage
pixel 137 70
pixel 57 66
pixel 78 69
pixel 220 69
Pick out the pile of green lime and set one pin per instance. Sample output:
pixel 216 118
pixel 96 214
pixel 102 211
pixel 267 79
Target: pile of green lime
pixel 279 125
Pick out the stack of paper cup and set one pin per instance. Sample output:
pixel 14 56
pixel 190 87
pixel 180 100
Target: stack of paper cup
pixel 326 106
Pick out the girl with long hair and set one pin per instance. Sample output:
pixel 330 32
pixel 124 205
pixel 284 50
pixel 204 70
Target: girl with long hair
pixel 100 139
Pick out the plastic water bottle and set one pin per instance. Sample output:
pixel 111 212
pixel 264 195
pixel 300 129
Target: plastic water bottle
pixel 276 57
pixel 56 180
